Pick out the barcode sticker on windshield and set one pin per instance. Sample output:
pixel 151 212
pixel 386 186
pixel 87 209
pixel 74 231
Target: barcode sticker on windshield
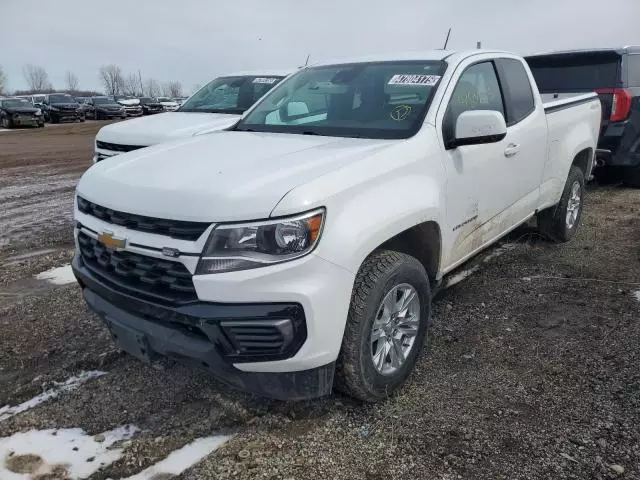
pixel 422 80
pixel 267 80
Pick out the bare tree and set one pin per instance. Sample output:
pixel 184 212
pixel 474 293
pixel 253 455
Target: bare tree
pixel 112 79
pixel 71 80
pixel 151 87
pixel 132 85
pixel 3 80
pixel 174 89
pixel 36 78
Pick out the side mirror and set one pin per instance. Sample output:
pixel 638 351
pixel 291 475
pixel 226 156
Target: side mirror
pixel 477 127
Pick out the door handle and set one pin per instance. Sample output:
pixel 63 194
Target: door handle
pixel 511 150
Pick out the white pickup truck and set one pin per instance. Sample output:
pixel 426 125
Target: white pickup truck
pixel 216 106
pixel 300 249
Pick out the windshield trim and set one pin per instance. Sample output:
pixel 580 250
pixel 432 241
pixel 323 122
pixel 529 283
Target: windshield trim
pixel 346 132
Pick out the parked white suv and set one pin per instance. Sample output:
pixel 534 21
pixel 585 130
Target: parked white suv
pixel 216 106
pixel 168 105
pixel 302 248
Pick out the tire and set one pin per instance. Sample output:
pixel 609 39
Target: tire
pixel 381 272
pixel 82 119
pixel 6 122
pixel 554 223
pixel 55 119
pixel 632 177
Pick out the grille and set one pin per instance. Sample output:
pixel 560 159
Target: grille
pixel 160 279
pixel 172 228
pixel 116 147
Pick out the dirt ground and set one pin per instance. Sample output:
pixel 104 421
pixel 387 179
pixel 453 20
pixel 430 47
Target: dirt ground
pixel 530 371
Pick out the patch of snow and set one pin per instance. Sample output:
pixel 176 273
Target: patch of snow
pixel 58 276
pixel 65 453
pixel 58 389
pixel 636 294
pixel 180 460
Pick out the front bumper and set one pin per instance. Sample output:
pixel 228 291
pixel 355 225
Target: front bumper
pixel 27 120
pixel 62 116
pixel 202 334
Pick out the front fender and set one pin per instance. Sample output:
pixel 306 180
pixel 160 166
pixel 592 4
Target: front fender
pixel 372 200
pixel 369 218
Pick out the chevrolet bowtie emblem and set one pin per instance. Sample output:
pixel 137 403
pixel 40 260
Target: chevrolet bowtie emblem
pixel 109 241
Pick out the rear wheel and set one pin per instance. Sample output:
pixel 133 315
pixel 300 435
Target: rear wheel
pixel 560 222
pixel 386 326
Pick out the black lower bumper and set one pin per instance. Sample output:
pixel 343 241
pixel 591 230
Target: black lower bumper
pixel 195 334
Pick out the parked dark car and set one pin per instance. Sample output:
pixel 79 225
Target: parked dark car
pixel 60 107
pixel 19 112
pixel 104 108
pixel 615 75
pixel 150 106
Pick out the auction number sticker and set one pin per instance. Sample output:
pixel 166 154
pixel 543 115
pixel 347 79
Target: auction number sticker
pixel 267 80
pixel 417 79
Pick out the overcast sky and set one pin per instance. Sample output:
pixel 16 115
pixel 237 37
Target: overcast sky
pixel 195 40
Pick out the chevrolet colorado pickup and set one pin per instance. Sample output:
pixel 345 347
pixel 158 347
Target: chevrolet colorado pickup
pixel 216 106
pixel 300 249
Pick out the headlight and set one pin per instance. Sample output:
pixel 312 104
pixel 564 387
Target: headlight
pixel 252 245
pixel 38 112
pixel 53 109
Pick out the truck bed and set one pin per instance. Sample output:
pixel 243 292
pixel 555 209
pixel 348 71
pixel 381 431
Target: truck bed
pixel 556 101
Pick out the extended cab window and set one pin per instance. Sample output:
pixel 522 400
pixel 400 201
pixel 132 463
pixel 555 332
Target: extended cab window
pixel 477 89
pixel 368 100
pixel 517 89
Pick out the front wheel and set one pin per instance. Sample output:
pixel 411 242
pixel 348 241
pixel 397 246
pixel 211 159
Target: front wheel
pixel 386 326
pixel 6 122
pixel 560 222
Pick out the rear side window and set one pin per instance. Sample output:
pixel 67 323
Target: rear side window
pixel 517 91
pixel 575 72
pixel 633 62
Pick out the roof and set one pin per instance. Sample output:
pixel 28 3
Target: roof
pixel 618 50
pixel 426 55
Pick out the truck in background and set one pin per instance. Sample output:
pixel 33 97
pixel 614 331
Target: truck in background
pixel 614 74
pixel 217 105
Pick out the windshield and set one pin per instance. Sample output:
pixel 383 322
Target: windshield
pixel 371 100
pixel 61 99
pixel 229 94
pixel 164 99
pixel 146 100
pixel 103 101
pixel 16 102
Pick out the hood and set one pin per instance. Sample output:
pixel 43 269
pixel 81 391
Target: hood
pixel 169 104
pixel 225 176
pixel 65 105
pixel 130 102
pixel 20 109
pixel 158 128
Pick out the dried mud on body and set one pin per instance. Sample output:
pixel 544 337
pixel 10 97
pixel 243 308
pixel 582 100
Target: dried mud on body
pixel 530 370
